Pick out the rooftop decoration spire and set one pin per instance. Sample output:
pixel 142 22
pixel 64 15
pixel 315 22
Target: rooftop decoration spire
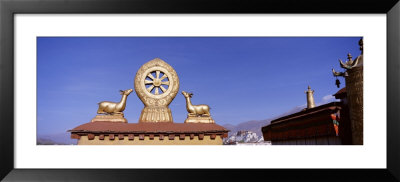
pixel 349 64
pixel 310 98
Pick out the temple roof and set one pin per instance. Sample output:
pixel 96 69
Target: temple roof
pixel 304 124
pixel 341 93
pixel 308 112
pixel 143 128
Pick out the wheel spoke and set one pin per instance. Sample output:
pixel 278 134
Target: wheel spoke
pixel 163 89
pixel 156 92
pixel 150 88
pixel 163 77
pixel 157 74
pixel 151 76
pixel 155 83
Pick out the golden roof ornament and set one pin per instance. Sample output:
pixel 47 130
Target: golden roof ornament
pixel 107 107
pixel 113 111
pixel 350 64
pixel 196 113
pixel 310 98
pixel 156 85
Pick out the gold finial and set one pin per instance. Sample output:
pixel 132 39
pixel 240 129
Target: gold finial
pixel 350 64
pixel 310 98
pixel 349 57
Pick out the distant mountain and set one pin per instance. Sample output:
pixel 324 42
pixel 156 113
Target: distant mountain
pixel 56 139
pixel 46 141
pixel 256 125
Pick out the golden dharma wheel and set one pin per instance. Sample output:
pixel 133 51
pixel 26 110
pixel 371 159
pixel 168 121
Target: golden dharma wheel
pixel 156 84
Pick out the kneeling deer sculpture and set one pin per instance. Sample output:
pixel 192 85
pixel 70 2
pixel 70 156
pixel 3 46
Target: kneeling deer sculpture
pixel 195 110
pixel 107 107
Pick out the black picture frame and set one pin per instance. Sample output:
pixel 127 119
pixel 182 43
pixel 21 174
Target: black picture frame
pixel 8 8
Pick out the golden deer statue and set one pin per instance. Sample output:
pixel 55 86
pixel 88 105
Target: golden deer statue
pixel 112 108
pixel 195 110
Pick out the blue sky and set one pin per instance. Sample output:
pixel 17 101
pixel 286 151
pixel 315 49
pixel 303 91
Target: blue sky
pixel 241 78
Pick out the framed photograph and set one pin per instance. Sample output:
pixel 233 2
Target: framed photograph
pixel 53 51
